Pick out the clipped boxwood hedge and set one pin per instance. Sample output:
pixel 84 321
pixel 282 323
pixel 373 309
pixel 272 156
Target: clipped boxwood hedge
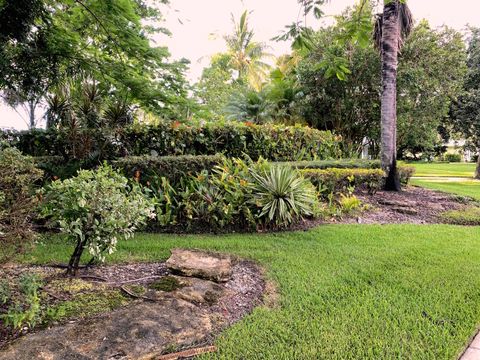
pixel 339 180
pixel 174 168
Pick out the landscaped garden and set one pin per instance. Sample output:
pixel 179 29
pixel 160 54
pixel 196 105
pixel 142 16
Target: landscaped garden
pixel 267 211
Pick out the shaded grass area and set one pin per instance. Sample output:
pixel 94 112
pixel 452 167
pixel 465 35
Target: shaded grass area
pixel 346 291
pixel 469 188
pixel 466 170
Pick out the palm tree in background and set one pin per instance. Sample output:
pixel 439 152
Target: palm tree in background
pixel 247 56
pixel 391 29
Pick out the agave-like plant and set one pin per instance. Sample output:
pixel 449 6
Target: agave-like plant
pixel 282 194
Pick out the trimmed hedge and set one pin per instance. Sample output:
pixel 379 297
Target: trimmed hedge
pixel 331 181
pixel 336 164
pixel 233 139
pixel 174 168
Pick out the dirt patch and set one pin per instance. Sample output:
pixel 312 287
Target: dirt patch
pixel 413 205
pixel 145 323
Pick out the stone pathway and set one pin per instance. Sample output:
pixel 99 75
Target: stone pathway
pixel 473 351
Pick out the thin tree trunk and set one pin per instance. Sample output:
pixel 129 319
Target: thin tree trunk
pixel 477 170
pixel 390 46
pixel 31 105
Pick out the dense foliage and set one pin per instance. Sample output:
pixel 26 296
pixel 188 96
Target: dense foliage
pixel 44 44
pixel 95 208
pixel 465 117
pixel 351 107
pixel 18 177
pixel 272 142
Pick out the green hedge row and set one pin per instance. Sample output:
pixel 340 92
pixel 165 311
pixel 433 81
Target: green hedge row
pixel 334 181
pixel 336 164
pixel 173 168
pixel 233 139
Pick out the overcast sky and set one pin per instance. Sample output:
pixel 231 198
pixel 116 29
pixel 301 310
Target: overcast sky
pixel 198 27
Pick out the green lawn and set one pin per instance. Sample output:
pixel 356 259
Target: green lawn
pixel 444 169
pixel 346 291
pixel 469 188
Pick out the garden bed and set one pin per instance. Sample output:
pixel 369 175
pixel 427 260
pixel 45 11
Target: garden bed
pixel 115 310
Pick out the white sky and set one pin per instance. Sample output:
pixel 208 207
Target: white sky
pixel 206 21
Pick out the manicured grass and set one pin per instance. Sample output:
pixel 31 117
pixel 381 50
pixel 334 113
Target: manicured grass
pixel 469 188
pixel 346 291
pixel 444 169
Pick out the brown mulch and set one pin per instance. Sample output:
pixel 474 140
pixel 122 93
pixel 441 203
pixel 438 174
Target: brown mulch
pixel 413 205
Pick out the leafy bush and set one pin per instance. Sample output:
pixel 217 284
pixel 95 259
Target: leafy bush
pixel 466 216
pixel 405 172
pixel 174 168
pixel 234 139
pixel 453 157
pixel 282 195
pixel 341 181
pixel 95 207
pixel 18 176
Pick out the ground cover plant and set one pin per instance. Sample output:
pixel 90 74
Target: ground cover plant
pixel 465 216
pixel 345 291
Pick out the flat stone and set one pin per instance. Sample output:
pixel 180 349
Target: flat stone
pixel 407 211
pixel 476 342
pixel 209 266
pixel 398 203
pixel 139 331
pixel 471 354
pixel 198 290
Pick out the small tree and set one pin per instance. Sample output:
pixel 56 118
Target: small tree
pixel 94 208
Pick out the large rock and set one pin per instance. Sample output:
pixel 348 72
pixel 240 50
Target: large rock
pixel 200 264
pixel 139 331
pixel 198 290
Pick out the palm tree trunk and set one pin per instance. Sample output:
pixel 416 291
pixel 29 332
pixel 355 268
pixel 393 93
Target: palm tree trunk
pixel 389 49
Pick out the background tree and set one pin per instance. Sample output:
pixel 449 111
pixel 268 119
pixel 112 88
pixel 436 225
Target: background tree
pixel 106 39
pixel 465 114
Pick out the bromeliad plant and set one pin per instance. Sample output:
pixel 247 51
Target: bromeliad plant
pixel 283 195
pixel 94 208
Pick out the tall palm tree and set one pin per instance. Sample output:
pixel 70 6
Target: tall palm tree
pixel 391 29
pixel 247 56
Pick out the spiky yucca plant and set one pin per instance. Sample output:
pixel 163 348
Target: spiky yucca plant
pixel 282 194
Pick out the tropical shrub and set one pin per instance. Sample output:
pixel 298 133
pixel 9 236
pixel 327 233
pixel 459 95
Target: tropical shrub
pixel 282 195
pixel 18 177
pixel 342 181
pixel 94 208
pixel 174 168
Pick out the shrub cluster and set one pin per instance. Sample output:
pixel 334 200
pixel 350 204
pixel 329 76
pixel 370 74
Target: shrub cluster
pixel 234 195
pixel 272 142
pixel 336 164
pixel 18 177
pixel 466 216
pixel 452 157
